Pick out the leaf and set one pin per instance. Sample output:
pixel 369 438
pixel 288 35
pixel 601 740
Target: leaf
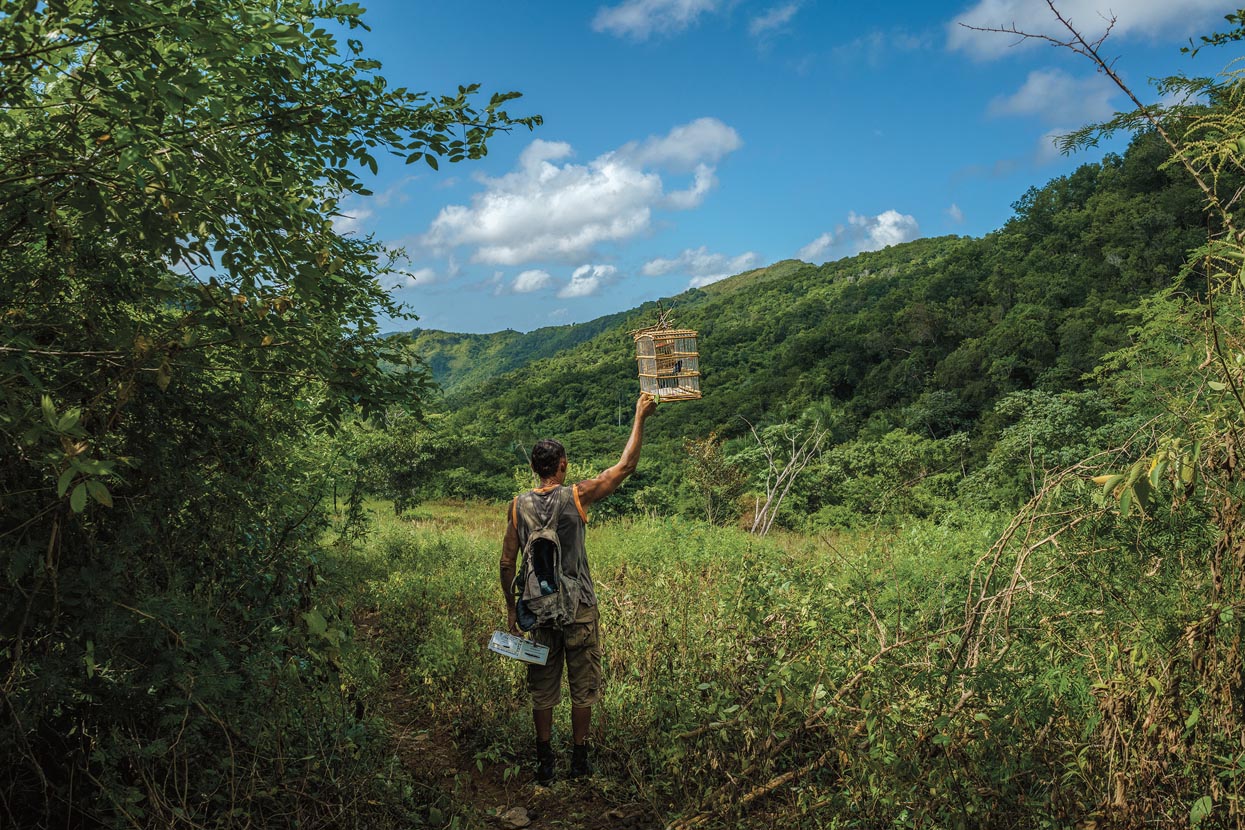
pixel 1142 492
pixel 163 376
pixel 99 492
pixel 431 160
pixel 1200 810
pixel 1156 473
pixel 1216 385
pixel 316 624
pixel 69 420
pixel 77 499
pixel 66 478
pixel 1112 481
pixel 1126 501
pixel 49 411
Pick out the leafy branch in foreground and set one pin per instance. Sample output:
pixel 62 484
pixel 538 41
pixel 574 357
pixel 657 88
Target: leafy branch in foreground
pixel 181 325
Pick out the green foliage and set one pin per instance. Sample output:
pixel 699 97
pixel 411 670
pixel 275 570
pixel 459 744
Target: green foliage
pixel 926 337
pixel 180 330
pixel 719 482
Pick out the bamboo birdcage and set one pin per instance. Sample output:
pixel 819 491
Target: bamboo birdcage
pixel 669 363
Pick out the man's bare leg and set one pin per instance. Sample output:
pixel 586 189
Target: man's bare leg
pixel 544 724
pixel 581 720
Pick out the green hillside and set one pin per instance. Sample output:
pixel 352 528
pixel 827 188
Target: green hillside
pixel 465 359
pixel 924 338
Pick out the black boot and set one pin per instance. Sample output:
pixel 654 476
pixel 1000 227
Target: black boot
pixel 546 761
pixel 579 761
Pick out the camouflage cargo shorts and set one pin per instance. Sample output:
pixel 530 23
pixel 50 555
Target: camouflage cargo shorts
pixel 579 646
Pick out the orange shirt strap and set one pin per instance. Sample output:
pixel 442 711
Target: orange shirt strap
pixel 578 505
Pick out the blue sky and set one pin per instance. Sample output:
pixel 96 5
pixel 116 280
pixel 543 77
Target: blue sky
pixel 687 140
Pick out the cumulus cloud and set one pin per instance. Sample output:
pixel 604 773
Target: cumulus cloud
pixel 530 281
pixel 552 209
pixel 703 141
pixel 865 233
pixel 694 195
pixel 1090 17
pixel 887 228
pixel 701 265
pixel 1056 97
pixel 772 20
pixel 813 251
pixel 587 280
pixel 641 19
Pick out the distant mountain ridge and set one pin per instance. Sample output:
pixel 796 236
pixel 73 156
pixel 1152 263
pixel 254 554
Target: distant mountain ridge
pixel 458 360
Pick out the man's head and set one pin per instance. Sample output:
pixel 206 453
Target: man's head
pixel 547 457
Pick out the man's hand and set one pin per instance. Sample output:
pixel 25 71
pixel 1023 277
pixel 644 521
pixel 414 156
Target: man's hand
pixel 645 406
pixel 513 622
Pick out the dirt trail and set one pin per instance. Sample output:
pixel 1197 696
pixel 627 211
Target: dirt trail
pixel 484 793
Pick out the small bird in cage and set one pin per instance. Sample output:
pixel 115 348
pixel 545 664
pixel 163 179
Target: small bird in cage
pixel 668 360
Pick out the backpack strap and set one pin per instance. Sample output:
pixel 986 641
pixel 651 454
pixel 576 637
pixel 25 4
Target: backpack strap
pixel 539 522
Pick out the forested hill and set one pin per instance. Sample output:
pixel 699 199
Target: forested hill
pixel 924 336
pixel 458 359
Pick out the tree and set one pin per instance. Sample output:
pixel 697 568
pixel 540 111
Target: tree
pixel 180 322
pixel 718 481
pixel 784 451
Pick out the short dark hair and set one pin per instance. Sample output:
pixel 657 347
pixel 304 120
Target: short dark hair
pixel 545 457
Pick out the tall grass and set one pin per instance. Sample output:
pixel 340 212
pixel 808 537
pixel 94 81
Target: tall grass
pixel 968 672
pixel 729 660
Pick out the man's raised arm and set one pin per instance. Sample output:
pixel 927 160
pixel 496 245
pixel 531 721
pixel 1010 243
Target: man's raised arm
pixel 595 489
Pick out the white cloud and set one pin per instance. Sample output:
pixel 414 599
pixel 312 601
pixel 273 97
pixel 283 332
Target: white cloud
pixel 1056 97
pixel 551 209
pixel 813 250
pixel 887 228
pixel 530 281
pixel 588 280
pixel 640 19
pixel 1134 17
pixel 701 265
pixel 705 140
pixel 775 18
pixel 694 195
pixel 955 214
pixel 866 233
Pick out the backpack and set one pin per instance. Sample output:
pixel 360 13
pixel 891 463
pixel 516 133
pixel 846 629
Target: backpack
pixel 546 597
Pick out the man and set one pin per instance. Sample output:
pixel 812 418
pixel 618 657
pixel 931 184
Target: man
pixel 577 645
